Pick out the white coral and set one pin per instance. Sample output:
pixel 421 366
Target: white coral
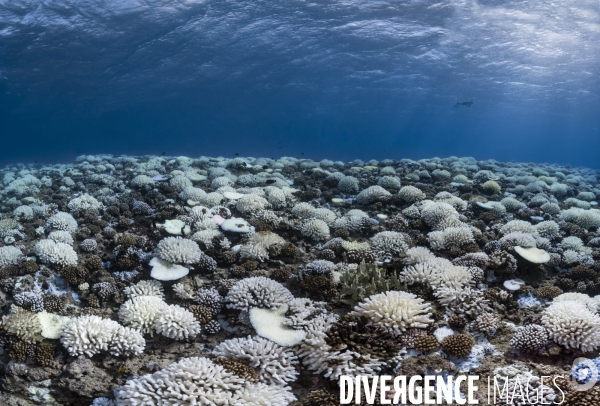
pixel 396 311
pixel 61 221
pixel 61 236
pixel 389 241
pixel 450 237
pixel 315 229
pixel 177 323
pixel 145 288
pixel 58 253
pixel 141 312
pixel 178 250
pixel 197 381
pixel 273 363
pixel 373 194
pixel 572 325
pixel 84 202
pixel 439 215
pixel 91 335
pixel 257 292
pixel 251 203
pixel 10 255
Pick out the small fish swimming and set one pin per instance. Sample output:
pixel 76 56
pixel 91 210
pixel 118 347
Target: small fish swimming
pixel 270 181
pixel 163 153
pixel 237 154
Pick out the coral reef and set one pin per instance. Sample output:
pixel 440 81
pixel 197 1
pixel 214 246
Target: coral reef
pixel 259 281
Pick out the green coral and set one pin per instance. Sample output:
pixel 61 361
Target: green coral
pixel 364 281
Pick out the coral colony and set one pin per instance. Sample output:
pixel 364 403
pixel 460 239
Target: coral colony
pixel 270 282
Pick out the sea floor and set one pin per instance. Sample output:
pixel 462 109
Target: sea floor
pixel 157 280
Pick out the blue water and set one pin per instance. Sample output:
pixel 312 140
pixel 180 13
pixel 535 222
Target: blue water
pixel 331 78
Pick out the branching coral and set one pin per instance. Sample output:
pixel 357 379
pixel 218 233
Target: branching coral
pixel 395 311
pixel 178 250
pixel 190 379
pixel 272 362
pixel 257 292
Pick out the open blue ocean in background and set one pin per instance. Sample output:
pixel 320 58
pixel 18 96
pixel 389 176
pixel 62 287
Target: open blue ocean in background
pixel 334 79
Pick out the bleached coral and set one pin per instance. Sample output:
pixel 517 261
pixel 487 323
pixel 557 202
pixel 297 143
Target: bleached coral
pixel 572 243
pixel 257 292
pixel 91 335
pixel 177 323
pixel 518 226
pixel 23 213
pixel 572 325
pixel 513 239
pixel 10 255
pixel 179 250
pixel 188 380
pixel 439 215
pixel 145 288
pixel 51 252
pixel 373 194
pixel 396 311
pixel 84 202
pixel 348 184
pixel 450 237
pixel 251 203
pixel 315 229
pixel 61 236
pixel 272 362
pixel 389 241
pixel 548 229
pixel 417 254
pixel 587 219
pixel 206 237
pixel 61 221
pixel 141 312
pixel 319 356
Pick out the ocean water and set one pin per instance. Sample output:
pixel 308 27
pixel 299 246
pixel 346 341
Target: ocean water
pixel 331 79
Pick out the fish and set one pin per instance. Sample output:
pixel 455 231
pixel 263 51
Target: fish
pixel 237 154
pixel 163 153
pixel 270 181
pixel 160 178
